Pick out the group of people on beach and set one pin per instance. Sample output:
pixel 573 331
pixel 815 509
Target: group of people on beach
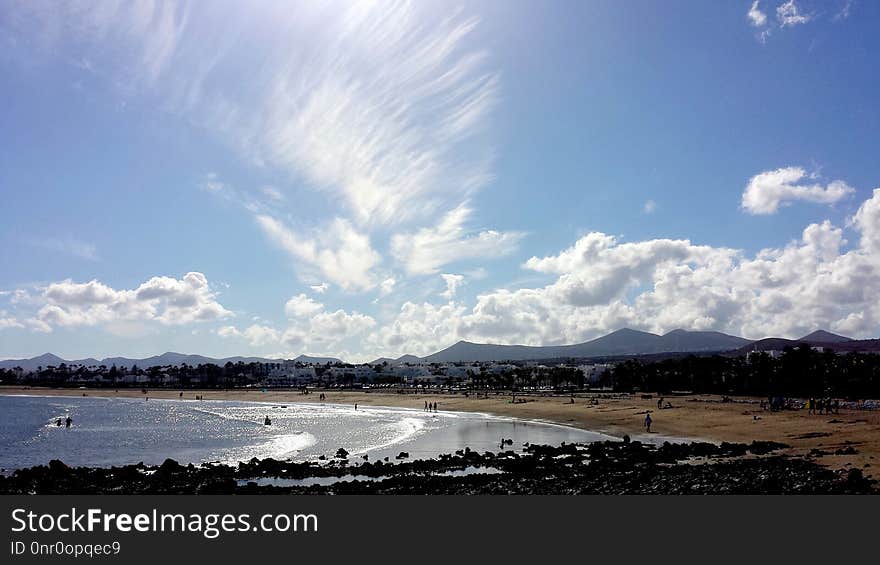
pixel 823 406
pixel 430 406
pixel 813 405
pixel 66 422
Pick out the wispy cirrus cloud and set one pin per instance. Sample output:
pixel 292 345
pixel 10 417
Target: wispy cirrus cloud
pixel 383 107
pixel 756 17
pixel 427 249
pixel 789 14
pixel 379 109
pixel 339 252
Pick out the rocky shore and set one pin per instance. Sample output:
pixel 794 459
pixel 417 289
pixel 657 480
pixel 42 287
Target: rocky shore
pixel 621 467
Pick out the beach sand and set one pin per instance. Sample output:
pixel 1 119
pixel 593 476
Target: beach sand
pixel 702 417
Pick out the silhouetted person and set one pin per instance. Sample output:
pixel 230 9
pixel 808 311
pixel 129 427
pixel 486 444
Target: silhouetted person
pixel 659 403
pixel 58 422
pixel 648 422
pixel 68 421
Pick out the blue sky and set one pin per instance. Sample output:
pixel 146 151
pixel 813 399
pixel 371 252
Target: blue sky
pixel 366 179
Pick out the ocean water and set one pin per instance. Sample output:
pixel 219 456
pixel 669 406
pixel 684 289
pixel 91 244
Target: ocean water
pixel 119 431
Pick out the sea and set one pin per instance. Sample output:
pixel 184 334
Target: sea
pixel 120 431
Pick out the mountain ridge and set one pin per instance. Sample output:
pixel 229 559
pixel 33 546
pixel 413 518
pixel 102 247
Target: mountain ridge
pixel 167 358
pixel 625 341
pixel 622 342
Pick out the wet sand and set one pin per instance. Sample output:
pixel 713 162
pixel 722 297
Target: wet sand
pixel 702 417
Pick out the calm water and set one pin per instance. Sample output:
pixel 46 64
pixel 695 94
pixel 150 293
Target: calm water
pixel 117 431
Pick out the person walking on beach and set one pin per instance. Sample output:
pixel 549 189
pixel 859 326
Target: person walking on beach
pixel 355 406
pixel 648 422
pixel 660 403
pixel 68 421
pixel 426 406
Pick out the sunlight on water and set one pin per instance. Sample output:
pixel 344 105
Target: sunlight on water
pixel 123 431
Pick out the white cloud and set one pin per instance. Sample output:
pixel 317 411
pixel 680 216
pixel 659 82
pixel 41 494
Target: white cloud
pixel 766 191
pixel 17 295
pixel 418 329
pixel 333 327
pixel 228 331
pixel 165 300
pixel 387 286
pixel 320 288
pixel 260 336
pixel 311 330
pixel 428 249
pixel 302 306
pixel 7 321
pixel 257 335
pixel 649 207
pixel 756 17
pixel 339 252
pixel 658 285
pixel 867 221
pixel 452 283
pixel 789 14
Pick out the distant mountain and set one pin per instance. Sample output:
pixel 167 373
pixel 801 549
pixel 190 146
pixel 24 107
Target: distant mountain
pixel 44 360
pixel 316 360
pixel 681 340
pixel 467 351
pixel 172 358
pixel 168 358
pixel 621 342
pixel 408 359
pixel 381 360
pixel 821 336
pixel 399 361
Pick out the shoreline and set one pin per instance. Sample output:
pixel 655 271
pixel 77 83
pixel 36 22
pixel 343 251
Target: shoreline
pixel 850 439
pixel 601 467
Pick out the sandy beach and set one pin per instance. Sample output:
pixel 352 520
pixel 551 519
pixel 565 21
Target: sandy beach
pixel 702 417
